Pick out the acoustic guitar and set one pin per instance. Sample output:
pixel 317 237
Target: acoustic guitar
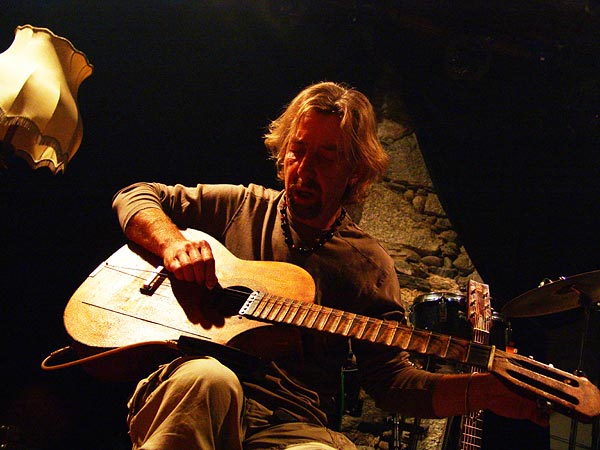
pixel 128 310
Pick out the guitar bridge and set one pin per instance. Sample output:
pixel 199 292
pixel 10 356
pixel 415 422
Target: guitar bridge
pixel 153 281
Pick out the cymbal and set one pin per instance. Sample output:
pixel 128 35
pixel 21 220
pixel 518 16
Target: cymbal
pixel 556 296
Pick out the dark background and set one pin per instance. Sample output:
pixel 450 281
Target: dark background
pixel 504 97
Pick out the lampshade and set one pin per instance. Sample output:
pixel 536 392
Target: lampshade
pixel 40 75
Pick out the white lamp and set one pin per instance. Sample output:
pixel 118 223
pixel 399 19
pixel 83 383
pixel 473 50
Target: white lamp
pixel 40 75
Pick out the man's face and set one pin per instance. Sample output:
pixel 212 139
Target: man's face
pixel 315 172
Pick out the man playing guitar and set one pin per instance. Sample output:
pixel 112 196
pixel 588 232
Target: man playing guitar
pixel 327 155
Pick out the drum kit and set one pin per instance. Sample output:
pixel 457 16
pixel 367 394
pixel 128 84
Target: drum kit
pixel 444 312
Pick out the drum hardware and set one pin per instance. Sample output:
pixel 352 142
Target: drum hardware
pixel 586 302
pixel 564 294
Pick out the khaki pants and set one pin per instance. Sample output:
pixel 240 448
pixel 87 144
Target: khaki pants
pixel 199 403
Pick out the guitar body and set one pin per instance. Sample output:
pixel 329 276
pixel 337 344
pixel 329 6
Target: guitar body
pixel 109 309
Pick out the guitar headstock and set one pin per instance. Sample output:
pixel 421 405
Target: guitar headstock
pixel 479 309
pixel 566 393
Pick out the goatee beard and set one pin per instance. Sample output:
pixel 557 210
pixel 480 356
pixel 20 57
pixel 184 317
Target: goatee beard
pixel 303 211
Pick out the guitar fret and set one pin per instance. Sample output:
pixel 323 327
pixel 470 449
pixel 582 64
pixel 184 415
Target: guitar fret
pixel 313 315
pixel 472 444
pixel 457 350
pixel 401 337
pixel 448 341
pixel 362 323
pixel 259 306
pixel 295 308
pixel 269 304
pixel 304 309
pixel 387 332
pixel 322 318
pixel 415 338
pixel 271 309
pixel 372 329
pixel 438 344
pixel 422 346
pixel 343 325
pixel 477 354
pixel 283 310
pixel 346 320
pixel 332 322
pixel 380 328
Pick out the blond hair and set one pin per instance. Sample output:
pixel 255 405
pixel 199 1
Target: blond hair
pixel 359 145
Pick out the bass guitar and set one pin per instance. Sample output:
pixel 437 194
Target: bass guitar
pixel 130 306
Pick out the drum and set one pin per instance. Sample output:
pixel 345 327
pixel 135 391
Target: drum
pixel 441 312
pixel 500 331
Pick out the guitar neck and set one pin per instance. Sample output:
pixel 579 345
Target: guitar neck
pixel 363 328
pixel 569 394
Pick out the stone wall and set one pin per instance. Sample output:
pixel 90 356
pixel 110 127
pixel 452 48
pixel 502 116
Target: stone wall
pixel 404 213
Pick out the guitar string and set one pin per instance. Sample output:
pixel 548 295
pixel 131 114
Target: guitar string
pixel 238 293
pixel 241 294
pixel 125 270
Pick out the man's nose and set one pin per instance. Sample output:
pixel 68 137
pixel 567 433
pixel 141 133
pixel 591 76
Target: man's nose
pixel 307 163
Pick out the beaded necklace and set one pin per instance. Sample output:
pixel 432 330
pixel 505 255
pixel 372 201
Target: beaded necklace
pixel 325 237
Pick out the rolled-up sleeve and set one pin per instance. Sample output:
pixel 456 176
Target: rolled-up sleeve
pixel 206 207
pixel 134 198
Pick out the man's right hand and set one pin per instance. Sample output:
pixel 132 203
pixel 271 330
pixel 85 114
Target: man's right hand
pixel 191 261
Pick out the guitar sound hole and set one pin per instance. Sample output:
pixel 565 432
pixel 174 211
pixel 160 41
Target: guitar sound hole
pixel 231 299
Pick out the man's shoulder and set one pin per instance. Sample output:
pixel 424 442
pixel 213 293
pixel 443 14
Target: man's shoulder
pixel 263 193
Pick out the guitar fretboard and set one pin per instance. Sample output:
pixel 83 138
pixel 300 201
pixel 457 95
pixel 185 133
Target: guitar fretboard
pixel 391 333
pixel 471 438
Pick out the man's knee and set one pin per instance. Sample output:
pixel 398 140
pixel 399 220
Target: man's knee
pixel 208 374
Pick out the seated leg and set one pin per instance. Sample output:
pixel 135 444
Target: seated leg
pixel 188 404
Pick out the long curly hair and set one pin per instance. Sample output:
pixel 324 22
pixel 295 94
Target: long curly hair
pixel 359 145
